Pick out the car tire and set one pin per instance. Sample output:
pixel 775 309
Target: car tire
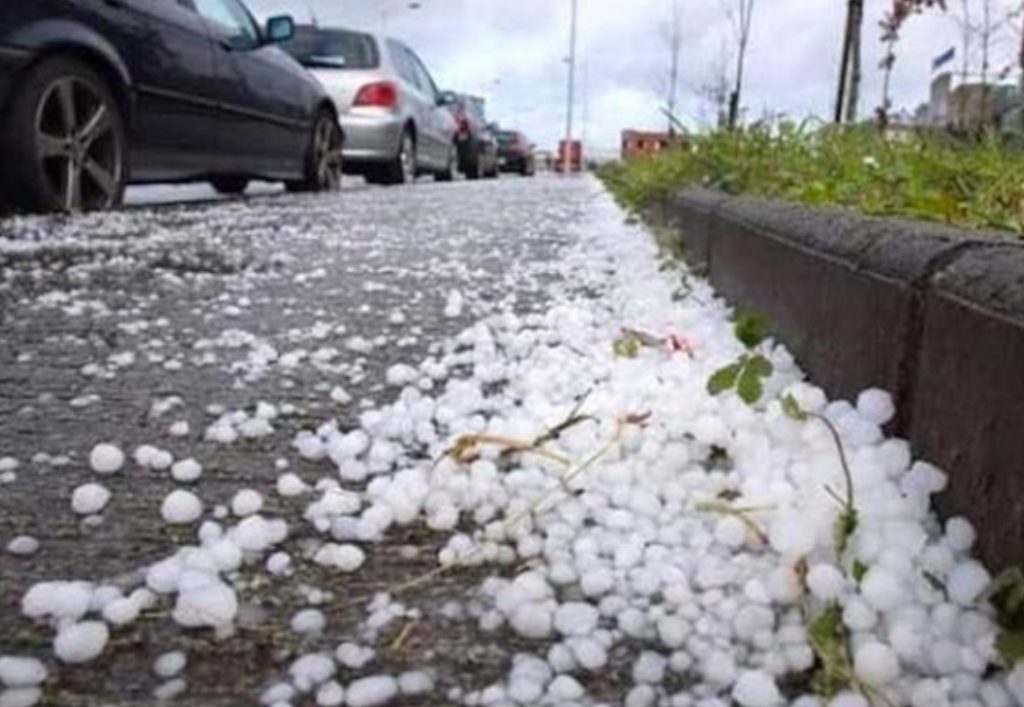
pixel 448 173
pixel 230 186
pixel 402 168
pixel 323 161
pixel 64 143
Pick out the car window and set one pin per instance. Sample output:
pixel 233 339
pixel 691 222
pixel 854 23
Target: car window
pixel 231 20
pixel 400 58
pixel 423 76
pixel 336 48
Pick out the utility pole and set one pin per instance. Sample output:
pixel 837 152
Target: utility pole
pixel 673 80
pixel 571 98
pixel 850 63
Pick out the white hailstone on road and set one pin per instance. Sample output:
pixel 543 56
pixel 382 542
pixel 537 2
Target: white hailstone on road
pixel 353 656
pixel 279 563
pixel 347 558
pixel 876 664
pixel 825 581
pixel 966 582
pixel 181 507
pixel 650 668
pixel 589 653
pixel 186 471
pixel 883 590
pixel 453 305
pixel 960 534
pixel 311 670
pixel 290 485
pixel 181 428
pixel 876 406
pixel 371 691
pixel 576 618
pixel 415 682
pixel 19 671
pixel 1015 682
pixel 212 604
pixel 169 664
pixel 532 620
pixel 81 642
pixel 59 600
pixel 756 688
pixel 340 395
pixel 170 689
pixel 246 502
pixel 330 694
pixel 308 621
pixel 20 697
pixel 106 458
pixel 401 374
pixel 673 631
pixel 597 581
pixel 89 499
pixel 564 690
pixel 23 546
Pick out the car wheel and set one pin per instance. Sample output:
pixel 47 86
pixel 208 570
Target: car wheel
pixel 230 186
pixel 324 159
pixel 448 173
pixel 64 141
pixel 402 169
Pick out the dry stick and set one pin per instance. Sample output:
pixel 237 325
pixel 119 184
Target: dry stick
pixel 478 552
pixel 842 457
pixel 739 513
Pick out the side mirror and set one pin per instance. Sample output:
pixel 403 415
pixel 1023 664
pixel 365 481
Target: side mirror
pixel 446 98
pixel 279 29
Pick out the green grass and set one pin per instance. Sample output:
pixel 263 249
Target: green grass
pixel 975 183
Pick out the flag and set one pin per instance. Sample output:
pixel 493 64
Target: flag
pixel 944 58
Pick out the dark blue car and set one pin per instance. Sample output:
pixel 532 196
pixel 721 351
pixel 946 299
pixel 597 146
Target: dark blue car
pixel 96 94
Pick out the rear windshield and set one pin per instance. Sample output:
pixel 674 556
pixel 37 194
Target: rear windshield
pixel 507 138
pixel 333 48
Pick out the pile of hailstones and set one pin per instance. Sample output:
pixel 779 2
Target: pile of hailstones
pixel 650 557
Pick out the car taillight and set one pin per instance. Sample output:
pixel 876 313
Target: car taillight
pixel 383 94
pixel 463 123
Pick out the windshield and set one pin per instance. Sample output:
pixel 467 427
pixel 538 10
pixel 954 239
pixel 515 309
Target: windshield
pixel 506 138
pixel 335 48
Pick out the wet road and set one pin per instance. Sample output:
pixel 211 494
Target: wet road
pixel 146 326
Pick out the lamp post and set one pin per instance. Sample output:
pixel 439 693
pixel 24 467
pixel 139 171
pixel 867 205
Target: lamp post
pixel 571 98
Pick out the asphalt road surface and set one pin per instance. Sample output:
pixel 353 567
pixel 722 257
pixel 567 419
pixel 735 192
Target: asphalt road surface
pixel 116 326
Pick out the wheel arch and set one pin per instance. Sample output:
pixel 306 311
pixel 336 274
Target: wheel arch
pixel 54 38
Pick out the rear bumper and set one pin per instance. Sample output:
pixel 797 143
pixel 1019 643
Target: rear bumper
pixel 12 61
pixel 371 138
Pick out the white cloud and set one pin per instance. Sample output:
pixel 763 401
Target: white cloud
pixel 792 62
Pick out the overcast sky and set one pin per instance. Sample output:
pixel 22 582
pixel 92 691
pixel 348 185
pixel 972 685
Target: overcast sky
pixel 512 52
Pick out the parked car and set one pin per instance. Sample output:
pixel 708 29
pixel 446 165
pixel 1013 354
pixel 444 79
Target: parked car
pixel 515 153
pixel 476 144
pixel 97 94
pixel 396 123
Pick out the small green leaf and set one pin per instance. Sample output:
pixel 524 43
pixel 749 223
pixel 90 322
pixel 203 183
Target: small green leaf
pixel 749 386
pixel 1010 645
pixel 859 570
pixel 750 327
pixel 792 408
pixel 761 366
pixel 724 379
pixel 827 635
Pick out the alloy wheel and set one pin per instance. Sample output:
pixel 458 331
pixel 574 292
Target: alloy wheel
pixel 408 159
pixel 77 145
pixel 327 155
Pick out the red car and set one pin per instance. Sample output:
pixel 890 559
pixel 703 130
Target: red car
pixel 515 153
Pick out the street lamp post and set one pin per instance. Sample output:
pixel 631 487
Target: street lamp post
pixel 571 98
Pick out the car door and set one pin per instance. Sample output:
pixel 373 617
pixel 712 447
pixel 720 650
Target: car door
pixel 413 100
pixel 439 123
pixel 264 117
pixel 169 54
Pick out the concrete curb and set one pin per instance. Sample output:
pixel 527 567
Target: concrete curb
pixel 933 314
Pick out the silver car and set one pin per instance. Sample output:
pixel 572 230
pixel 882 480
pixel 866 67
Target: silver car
pixel 395 120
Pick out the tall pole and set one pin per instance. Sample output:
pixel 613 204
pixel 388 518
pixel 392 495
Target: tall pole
pixel 844 65
pixel 571 98
pixel 853 87
pixel 673 80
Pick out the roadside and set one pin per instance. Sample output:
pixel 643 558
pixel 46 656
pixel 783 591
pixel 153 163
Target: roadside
pixel 634 504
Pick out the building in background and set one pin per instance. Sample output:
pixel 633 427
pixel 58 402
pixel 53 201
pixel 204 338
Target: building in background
pixel 640 143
